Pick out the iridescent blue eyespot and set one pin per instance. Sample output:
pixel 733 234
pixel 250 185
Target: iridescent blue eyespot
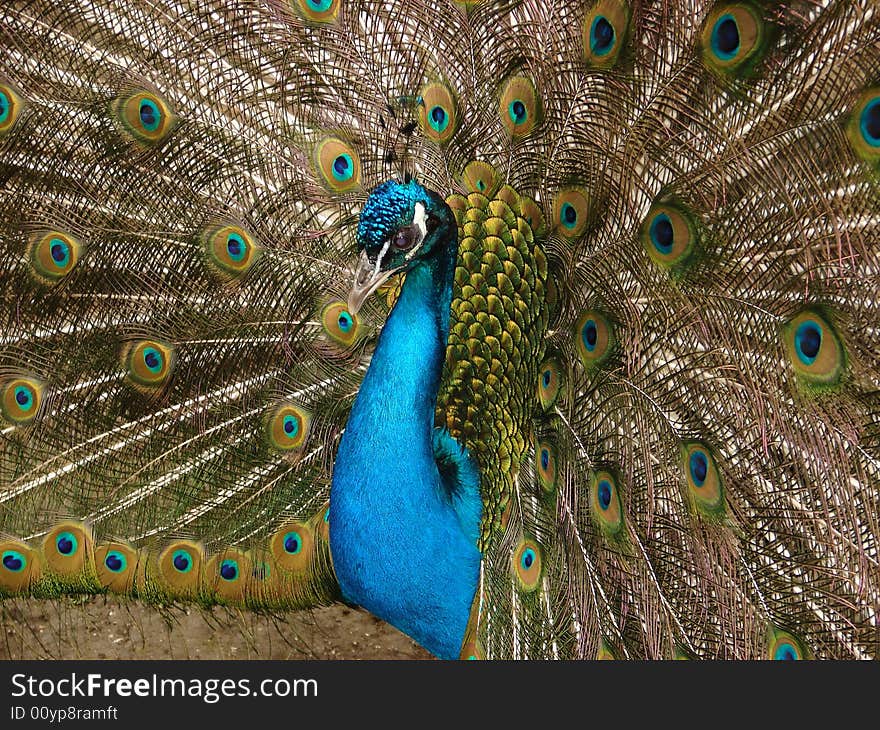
pixel 143 116
pixel 319 6
pixel 590 334
pixel 568 215
pixel 815 349
pixel 662 233
pixel 149 363
pixel 14 561
pixel 343 167
pixel 292 543
pixel 24 398
pixel 60 252
pixel 5 106
pixel 150 115
pixel 437 111
pixel 345 321
pixel 725 37
pixel 870 123
pixel 526 564
pixel 182 561
pixel 327 516
pixel 336 161
pixel 66 543
pixel 545 458
pixel 115 561
pixel 601 36
pixel 785 652
pixel 236 247
pixel 153 359
pixel 291 426
pixel 604 493
pixel 229 570
pixel 517 111
pixel 808 341
pixel 438 118
pixel 545 378
pixel 604 31
pixel 699 467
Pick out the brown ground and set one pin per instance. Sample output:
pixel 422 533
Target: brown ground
pixel 105 628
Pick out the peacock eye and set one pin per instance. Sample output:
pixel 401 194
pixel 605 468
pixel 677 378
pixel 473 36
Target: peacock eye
pixel 404 239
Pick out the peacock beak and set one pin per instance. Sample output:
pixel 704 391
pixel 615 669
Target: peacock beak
pixel 368 277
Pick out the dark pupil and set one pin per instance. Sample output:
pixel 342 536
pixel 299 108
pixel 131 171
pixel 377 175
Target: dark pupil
pixel 546 378
pixel 519 110
pixel 438 115
pixel 810 341
pixel 148 117
pixel 289 426
pixel 151 359
pixel 604 494
pixel 663 233
pixel 113 562
pixel 728 36
pixel 545 459
pixel 58 252
pixel 11 562
pixel 291 544
pixel 590 333
pixel 873 122
pixel 528 560
pixel 181 562
pixel 22 398
pixel 344 321
pixel 228 571
pixel 787 653
pixel 569 214
pixel 403 239
pixel 65 546
pixel 604 34
pixel 699 467
pixel 340 164
pixel 234 246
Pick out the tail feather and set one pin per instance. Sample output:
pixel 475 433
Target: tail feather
pixel 664 351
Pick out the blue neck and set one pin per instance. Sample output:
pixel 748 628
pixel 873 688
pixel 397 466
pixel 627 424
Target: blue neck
pixel 398 546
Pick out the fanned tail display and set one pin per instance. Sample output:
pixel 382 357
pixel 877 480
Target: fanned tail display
pixel 641 333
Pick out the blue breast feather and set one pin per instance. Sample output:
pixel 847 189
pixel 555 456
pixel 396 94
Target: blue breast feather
pixel 404 502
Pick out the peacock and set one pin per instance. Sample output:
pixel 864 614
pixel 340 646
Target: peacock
pixel 537 330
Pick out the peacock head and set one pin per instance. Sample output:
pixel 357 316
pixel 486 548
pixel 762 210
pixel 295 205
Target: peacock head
pixel 401 225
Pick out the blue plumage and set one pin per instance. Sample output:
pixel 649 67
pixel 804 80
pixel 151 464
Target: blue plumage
pixel 460 477
pixel 403 543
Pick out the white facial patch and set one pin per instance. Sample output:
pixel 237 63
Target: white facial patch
pixel 419 221
pixel 419 218
pixel 381 256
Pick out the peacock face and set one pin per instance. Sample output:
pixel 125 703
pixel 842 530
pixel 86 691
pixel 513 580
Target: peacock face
pixel 401 224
